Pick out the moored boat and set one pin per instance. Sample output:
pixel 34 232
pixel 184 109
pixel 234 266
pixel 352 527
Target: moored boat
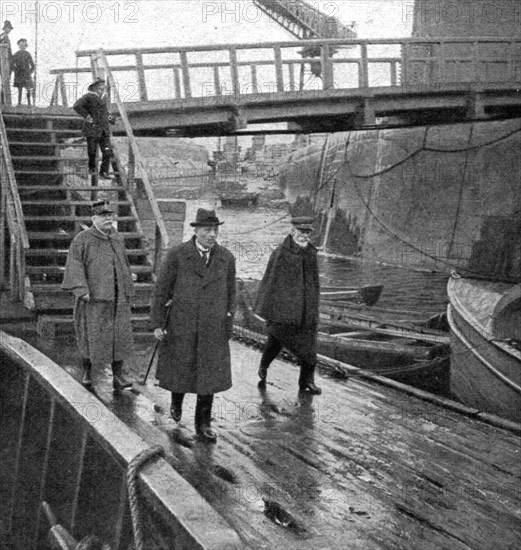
pixel 392 343
pixel 484 318
pixel 367 294
pixel 239 200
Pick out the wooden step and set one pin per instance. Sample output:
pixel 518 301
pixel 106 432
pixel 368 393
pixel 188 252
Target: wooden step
pixel 41 116
pixel 73 131
pixel 51 202
pixel 66 172
pixel 74 218
pixel 47 158
pixel 49 326
pixel 86 189
pixel 45 144
pixel 50 296
pixel 58 235
pixel 50 252
pixel 54 288
pixel 57 269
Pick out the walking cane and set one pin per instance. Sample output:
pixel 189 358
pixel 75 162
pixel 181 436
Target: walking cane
pixel 168 306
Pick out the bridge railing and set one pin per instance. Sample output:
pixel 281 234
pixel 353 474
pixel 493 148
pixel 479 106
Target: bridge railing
pixel 147 74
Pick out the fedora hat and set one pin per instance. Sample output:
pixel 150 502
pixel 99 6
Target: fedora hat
pixel 304 223
pixel 205 217
pixel 101 207
pixel 96 83
pixel 7 25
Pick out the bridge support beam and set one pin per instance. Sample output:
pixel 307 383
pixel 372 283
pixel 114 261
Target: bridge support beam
pixel 365 113
pixel 238 120
pixel 475 105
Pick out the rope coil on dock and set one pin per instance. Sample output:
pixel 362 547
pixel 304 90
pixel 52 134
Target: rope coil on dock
pixel 132 474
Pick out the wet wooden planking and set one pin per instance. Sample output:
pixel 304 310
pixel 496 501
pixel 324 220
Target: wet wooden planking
pixel 364 456
pixel 361 466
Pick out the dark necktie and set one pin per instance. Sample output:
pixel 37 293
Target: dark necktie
pixel 206 255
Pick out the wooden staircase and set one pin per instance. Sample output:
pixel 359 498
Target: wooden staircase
pixel 50 165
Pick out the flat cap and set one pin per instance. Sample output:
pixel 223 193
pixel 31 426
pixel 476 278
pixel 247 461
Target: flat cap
pixel 101 207
pixel 304 223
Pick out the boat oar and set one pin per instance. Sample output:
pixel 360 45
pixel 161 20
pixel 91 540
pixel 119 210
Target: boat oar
pixel 168 306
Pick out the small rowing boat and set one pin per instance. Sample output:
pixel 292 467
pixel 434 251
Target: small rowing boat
pixel 401 345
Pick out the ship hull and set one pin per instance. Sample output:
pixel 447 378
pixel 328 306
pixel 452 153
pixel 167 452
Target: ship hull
pixel 433 198
pixel 485 371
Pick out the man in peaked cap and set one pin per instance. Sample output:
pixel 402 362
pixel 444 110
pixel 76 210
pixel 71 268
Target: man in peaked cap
pixel 96 126
pixel 288 300
pixel 194 356
pixel 98 273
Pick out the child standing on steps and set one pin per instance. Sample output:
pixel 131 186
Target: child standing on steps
pixel 23 67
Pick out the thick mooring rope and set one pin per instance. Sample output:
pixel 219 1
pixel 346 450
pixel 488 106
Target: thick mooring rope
pixel 132 472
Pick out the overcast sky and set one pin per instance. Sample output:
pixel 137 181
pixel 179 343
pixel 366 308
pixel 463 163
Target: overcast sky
pixel 65 26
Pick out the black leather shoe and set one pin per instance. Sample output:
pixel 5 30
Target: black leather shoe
pixel 119 383
pixel 310 387
pixel 206 434
pixel 86 379
pixel 263 373
pixel 176 412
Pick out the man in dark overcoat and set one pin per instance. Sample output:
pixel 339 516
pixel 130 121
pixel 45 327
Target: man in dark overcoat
pixel 96 126
pixel 194 355
pixel 4 39
pixel 98 274
pixel 288 300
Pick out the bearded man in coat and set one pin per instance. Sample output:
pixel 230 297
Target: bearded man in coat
pixel 288 300
pixel 198 277
pixel 98 274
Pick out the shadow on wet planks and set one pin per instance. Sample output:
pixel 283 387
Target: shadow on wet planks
pixel 362 466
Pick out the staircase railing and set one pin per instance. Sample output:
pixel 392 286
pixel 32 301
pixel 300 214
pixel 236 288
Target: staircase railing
pixel 19 241
pixel 136 167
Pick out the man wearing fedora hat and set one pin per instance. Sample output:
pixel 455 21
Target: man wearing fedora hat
pixel 98 274
pixel 194 356
pixel 288 300
pixel 96 126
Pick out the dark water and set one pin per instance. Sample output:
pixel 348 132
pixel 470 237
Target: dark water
pixel 252 234
pixel 403 288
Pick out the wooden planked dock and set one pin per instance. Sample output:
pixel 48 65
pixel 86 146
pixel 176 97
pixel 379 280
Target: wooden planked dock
pixel 362 466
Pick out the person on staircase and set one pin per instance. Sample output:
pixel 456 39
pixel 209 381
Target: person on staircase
pixel 288 299
pixel 5 40
pixel 194 355
pixel 23 67
pixel 98 274
pixel 92 107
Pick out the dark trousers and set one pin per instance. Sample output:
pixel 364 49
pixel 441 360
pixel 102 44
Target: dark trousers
pixel 103 142
pixel 20 93
pixel 271 350
pixel 203 408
